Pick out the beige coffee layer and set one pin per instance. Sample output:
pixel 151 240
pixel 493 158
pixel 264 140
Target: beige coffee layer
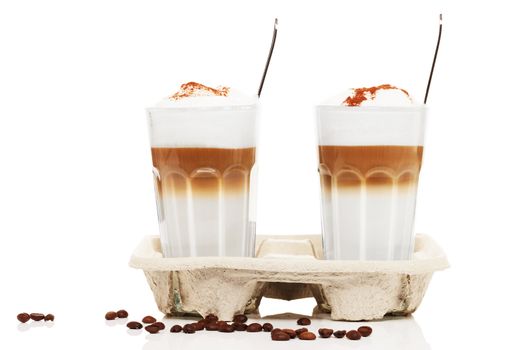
pixel 204 171
pixel 373 166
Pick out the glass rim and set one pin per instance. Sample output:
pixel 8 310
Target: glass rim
pixel 357 109
pixel 204 108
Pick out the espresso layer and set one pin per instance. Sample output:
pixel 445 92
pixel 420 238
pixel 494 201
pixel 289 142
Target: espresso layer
pixel 202 170
pixel 373 166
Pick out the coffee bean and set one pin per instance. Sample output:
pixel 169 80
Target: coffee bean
pixel 280 336
pixel 122 314
pixel 212 326
pixel 267 327
pixel 198 326
pixel 353 335
pixel 254 327
pixel 149 319
pixel 176 329
pixel 159 325
pixel 339 334
pixel 306 336
pixel 211 318
pixel 240 326
pixel 134 325
pixel 301 330
pixel 23 317
pixel 152 329
pixel 111 315
pixel 365 331
pixel 325 332
pixel 304 321
pixel 290 332
pixel 227 328
pixel 37 316
pixel 221 323
pixel 240 318
pixel 49 317
pixel 188 328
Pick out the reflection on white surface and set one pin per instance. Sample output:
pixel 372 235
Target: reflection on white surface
pixel 398 333
pixel 24 327
pixel 116 322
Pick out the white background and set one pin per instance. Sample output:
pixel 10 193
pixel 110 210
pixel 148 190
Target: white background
pixel 76 193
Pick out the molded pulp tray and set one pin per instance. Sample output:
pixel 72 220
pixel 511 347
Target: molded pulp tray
pixel 288 267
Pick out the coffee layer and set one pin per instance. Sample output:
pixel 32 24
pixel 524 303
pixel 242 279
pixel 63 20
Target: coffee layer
pixel 203 200
pixel 373 166
pixel 203 170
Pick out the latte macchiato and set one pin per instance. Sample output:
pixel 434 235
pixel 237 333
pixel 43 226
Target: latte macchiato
pixel 369 162
pixel 203 150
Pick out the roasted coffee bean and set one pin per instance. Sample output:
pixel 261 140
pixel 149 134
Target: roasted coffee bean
pixel 37 316
pixel 301 330
pixel 365 331
pixel 276 330
pixel 122 314
pixel 111 315
pixel 240 326
pixel 159 325
pixel 152 329
pixel 254 327
pixel 227 328
pixel 339 334
pixel 267 327
pixel 23 317
pixel 280 336
pixel 134 325
pixel 290 332
pixel 353 335
pixel 211 318
pixel 306 336
pixel 240 318
pixel 198 326
pixel 304 321
pixel 188 328
pixel 221 323
pixel 212 326
pixel 149 319
pixel 176 329
pixel 325 332
pixel 49 317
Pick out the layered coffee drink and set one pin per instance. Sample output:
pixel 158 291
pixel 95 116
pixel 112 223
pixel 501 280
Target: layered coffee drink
pixel 370 153
pixel 203 146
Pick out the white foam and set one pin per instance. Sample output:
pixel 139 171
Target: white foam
pixel 388 97
pixel 371 126
pixel 228 126
pixel 234 98
pixel 383 97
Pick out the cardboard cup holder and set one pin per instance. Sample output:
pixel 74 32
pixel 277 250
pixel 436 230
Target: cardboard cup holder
pixel 288 267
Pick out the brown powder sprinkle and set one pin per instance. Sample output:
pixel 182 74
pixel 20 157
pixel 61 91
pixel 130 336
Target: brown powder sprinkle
pixel 363 94
pixel 196 89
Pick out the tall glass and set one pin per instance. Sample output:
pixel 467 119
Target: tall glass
pixel 369 163
pixel 204 175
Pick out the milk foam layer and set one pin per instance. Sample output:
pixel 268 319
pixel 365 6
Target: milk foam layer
pixel 371 126
pixel 381 95
pixel 197 95
pixel 204 120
